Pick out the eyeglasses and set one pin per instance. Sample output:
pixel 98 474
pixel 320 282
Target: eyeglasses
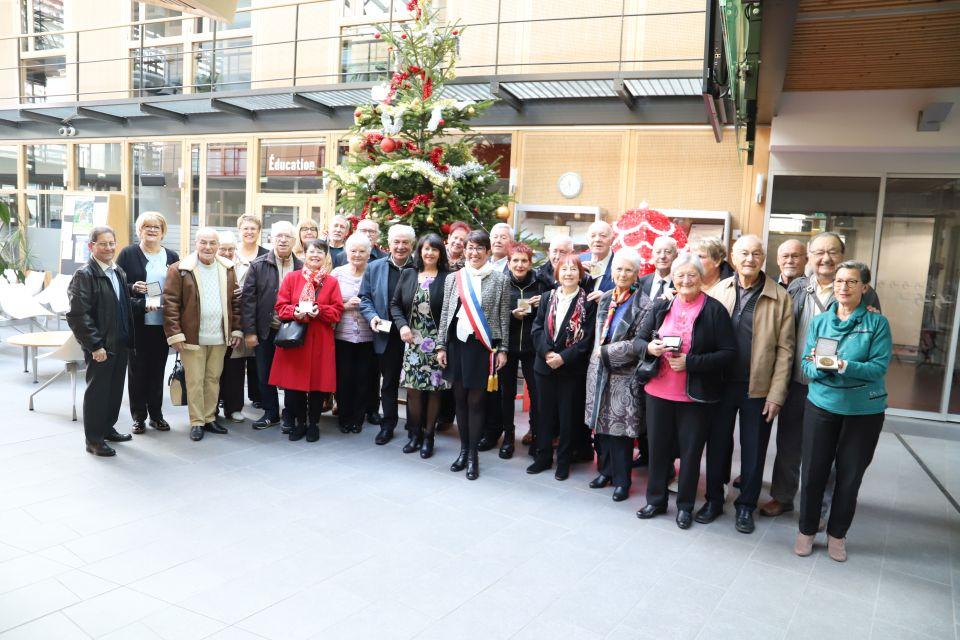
pixel 106 245
pixel 756 255
pixel 151 227
pixel 845 284
pixel 820 253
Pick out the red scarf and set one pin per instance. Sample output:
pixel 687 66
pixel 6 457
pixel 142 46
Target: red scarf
pixel 314 282
pixel 616 299
pixel 574 328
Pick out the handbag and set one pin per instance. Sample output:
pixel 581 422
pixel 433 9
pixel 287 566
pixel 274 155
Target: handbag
pixel 291 333
pixel 178 384
pixel 647 368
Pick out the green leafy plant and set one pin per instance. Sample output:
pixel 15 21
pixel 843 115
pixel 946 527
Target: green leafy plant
pixel 13 254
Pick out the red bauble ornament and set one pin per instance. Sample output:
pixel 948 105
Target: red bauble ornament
pixel 376 36
pixel 403 36
pixel 357 113
pixel 442 122
pixel 388 145
pixel 445 228
pixel 455 32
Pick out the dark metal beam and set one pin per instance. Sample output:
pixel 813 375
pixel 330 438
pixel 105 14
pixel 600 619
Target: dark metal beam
pixel 9 123
pixel 154 110
pixel 501 93
pixel 85 112
pixel 314 105
pixel 41 117
pixel 710 105
pixel 227 107
pixel 776 33
pixel 621 89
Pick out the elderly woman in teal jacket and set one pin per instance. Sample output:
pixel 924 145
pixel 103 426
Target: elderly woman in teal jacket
pixel 849 347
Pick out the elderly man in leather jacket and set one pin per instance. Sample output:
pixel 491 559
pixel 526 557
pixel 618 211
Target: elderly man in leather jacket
pixel 100 318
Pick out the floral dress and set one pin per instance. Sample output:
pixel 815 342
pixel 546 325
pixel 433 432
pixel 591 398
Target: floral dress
pixel 420 368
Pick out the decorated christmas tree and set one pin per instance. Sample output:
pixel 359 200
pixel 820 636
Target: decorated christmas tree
pixel 639 228
pixel 404 165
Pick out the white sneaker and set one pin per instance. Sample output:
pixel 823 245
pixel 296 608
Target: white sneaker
pixel 673 487
pixel 236 416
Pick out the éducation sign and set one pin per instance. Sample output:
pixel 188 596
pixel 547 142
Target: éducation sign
pixel 293 160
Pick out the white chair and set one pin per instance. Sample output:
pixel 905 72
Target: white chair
pixel 72 356
pixel 34 282
pixel 54 297
pixel 19 307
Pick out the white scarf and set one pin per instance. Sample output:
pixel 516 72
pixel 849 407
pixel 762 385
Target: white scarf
pixel 464 328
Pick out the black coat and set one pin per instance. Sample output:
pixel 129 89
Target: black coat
pixel 401 303
pixel 259 296
pixel 93 309
pixel 713 346
pixel 576 355
pixel 531 286
pixel 643 285
pixel 133 261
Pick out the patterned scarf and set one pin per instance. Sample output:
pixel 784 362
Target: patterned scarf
pixel 616 299
pixel 574 328
pixel 314 282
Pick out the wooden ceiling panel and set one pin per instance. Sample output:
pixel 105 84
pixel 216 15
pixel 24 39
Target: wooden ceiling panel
pixel 898 51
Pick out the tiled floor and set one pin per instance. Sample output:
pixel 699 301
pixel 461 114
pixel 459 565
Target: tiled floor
pixel 250 536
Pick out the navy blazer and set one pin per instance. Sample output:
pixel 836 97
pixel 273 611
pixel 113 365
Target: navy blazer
pixel 606 280
pixel 644 287
pixel 375 298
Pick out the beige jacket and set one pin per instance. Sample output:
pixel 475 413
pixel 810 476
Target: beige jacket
pixel 774 337
pixel 181 302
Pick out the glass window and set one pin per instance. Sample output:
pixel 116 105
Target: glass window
pixel 143 11
pixel 803 206
pixel 367 8
pixel 156 186
pixel 232 70
pixel 362 57
pixel 492 148
pixel 291 166
pixel 46 167
pixel 45 210
pixel 40 16
pixel 10 201
pixel 8 167
pixel 45 77
pixel 99 166
pixel 275 213
pixel 158 71
pixel 241 20
pixel 226 184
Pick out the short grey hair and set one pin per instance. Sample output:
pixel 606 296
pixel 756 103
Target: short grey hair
pixel 402 231
pixel 666 240
pixel 281 226
pixel 828 234
pixel 227 237
pixel 96 232
pixel 207 231
pixel 712 246
pixel 502 225
pixel 369 221
pixel 856 265
pixel 751 238
pixel 562 240
pixel 359 239
pixel 336 217
pixel 683 260
pixel 629 255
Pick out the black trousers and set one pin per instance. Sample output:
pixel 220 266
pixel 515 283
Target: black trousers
pixel 145 369
pixel 355 361
pixel 304 406
pixel 671 426
pixel 828 439
pixel 268 393
pixel 231 383
pixel 561 400
pixel 616 458
pixel 786 466
pixel 754 437
pixel 471 407
pixel 373 395
pixel 391 368
pixel 508 390
pixel 253 380
pixel 104 393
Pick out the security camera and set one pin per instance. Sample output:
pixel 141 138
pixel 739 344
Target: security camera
pixel 62 131
pixel 67 131
pixel 71 131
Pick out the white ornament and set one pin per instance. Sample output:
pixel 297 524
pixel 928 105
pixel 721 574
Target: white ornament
pixel 391 126
pixel 379 93
pixel 395 175
pixel 435 117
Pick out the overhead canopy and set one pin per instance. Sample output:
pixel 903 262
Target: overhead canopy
pixel 217 9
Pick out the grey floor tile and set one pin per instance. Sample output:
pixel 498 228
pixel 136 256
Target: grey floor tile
pixel 826 614
pixel 915 603
pixel 112 610
pixel 56 625
pixel 676 607
pixel 305 614
pixel 725 624
pixel 761 588
pixel 886 631
pixel 713 559
pixel 32 602
pixel 383 620
pixel 922 557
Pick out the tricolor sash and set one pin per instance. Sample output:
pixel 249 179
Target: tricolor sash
pixel 470 302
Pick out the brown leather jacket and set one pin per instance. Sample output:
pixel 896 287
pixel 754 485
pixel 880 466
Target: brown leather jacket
pixel 181 302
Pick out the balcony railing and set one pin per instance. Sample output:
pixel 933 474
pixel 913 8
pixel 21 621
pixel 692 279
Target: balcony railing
pixel 671 41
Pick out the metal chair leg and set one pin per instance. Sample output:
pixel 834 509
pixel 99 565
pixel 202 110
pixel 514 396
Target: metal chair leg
pixel 45 384
pixel 72 368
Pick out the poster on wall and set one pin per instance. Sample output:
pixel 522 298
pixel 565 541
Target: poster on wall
pixel 80 215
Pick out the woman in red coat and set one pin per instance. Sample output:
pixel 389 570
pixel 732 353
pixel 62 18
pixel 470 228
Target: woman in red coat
pixel 308 373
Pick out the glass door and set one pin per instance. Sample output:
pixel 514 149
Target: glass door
pixel 292 208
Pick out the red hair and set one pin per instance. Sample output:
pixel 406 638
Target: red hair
pixel 459 224
pixel 520 247
pixel 569 259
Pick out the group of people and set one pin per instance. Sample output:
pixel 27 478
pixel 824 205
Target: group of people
pixel 614 362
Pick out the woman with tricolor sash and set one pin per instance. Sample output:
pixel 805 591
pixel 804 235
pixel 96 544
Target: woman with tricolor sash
pixel 472 342
pixel 562 336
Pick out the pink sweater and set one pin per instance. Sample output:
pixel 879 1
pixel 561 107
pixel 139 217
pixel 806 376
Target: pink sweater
pixel 669 384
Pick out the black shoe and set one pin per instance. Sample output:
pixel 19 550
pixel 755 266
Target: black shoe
pixel 538 467
pixel 100 449
pixel 650 511
pixel 620 494
pixel 562 473
pixel 600 482
pixel 313 433
pixel 286 428
pixel 160 424
pixel 298 432
pixel 139 427
pixel 385 435
pixel 486 443
pixel 460 463
pixel 213 427
pixel 473 465
pixel 196 432
pixel 413 444
pixel 346 428
pixel 736 482
pixel 639 461
pixel 118 437
pixel 265 423
pixel 744 522
pixel 507 448
pixel 684 518
pixel 709 512
pixel 426 449
pixel 444 426
pixel 374 418
pixel 357 428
